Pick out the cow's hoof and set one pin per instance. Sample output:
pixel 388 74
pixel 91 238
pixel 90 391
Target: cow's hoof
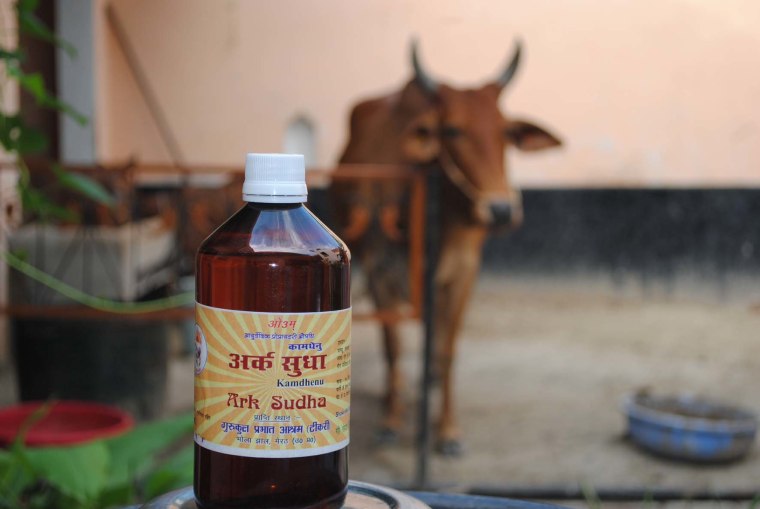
pixel 450 448
pixel 386 436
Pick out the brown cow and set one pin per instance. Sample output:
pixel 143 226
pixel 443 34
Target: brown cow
pixel 464 134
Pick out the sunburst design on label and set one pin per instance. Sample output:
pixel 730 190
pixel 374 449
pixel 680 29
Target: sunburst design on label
pixel 274 385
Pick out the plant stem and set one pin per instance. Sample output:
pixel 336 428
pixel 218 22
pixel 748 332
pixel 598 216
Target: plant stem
pixel 91 301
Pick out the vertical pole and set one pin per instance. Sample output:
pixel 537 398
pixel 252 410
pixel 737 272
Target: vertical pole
pixel 75 22
pixel 432 234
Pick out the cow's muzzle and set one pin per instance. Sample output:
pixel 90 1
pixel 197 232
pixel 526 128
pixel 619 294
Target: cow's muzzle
pixel 500 214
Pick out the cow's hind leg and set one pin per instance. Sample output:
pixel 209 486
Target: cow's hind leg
pixel 394 406
pixel 384 271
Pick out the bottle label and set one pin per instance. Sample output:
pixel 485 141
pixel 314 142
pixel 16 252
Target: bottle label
pixel 272 385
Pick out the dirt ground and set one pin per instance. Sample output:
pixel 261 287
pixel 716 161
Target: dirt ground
pixel 541 371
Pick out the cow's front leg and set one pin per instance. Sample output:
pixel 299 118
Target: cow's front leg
pixel 455 278
pixel 394 406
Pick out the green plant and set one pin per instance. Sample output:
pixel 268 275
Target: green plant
pixel 21 140
pixel 590 496
pixel 150 460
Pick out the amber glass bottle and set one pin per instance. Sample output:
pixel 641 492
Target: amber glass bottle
pixel 272 351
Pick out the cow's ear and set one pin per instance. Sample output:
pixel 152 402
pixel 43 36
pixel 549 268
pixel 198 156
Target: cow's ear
pixel 527 136
pixel 420 142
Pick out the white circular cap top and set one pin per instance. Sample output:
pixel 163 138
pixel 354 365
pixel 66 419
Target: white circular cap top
pixel 274 178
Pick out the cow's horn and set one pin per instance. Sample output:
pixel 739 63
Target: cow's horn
pixel 425 81
pixel 510 70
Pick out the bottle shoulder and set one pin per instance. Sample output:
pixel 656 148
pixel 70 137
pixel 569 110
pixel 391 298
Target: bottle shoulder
pixel 267 230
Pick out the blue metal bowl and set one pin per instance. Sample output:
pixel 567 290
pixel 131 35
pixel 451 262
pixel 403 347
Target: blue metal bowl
pixel 689 428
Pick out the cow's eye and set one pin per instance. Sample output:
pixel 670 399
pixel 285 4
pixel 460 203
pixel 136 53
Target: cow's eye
pixel 423 132
pixel 450 131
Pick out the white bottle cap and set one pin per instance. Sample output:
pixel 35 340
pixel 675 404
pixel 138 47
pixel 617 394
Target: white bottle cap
pixel 274 178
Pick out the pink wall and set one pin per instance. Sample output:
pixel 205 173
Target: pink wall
pixel 643 92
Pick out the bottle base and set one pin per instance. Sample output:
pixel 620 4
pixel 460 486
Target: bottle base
pixel 334 502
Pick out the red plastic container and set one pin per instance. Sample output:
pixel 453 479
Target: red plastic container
pixel 67 423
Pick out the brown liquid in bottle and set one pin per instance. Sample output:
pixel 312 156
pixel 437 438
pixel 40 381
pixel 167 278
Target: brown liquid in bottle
pixel 272 258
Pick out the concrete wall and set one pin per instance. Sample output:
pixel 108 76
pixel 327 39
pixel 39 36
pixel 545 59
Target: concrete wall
pixel 645 93
pixel 697 244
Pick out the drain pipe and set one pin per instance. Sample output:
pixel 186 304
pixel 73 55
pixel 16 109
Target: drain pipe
pixel 610 494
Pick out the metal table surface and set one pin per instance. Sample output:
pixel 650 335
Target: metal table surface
pixel 369 496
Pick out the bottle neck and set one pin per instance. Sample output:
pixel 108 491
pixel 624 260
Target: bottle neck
pixel 274 206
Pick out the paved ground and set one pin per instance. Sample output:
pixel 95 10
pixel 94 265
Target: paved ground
pixel 541 373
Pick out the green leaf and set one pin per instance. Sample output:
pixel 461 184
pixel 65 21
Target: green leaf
pixel 15 476
pixel 84 185
pixel 78 471
pixel 7 125
pixel 182 462
pixel 29 23
pixel 27 5
pixel 5 460
pixel 18 474
pixel 34 83
pixel 134 453
pixel 35 202
pixel 16 136
pixel 161 482
pixel 8 55
pixel 30 141
pixel 173 474
pixel 117 495
pixel 66 108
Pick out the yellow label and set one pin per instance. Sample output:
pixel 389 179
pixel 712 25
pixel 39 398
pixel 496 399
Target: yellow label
pixel 272 385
